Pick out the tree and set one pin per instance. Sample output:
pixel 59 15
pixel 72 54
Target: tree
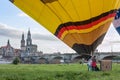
pixel 16 61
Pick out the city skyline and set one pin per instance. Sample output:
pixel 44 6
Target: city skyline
pixel 13 22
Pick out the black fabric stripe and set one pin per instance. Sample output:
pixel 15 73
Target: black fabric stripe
pixel 11 1
pixel 78 23
pixel 87 49
pixel 48 1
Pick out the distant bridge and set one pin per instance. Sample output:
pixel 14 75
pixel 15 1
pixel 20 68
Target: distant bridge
pixel 106 55
pixel 71 57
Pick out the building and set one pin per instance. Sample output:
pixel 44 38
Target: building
pixel 7 51
pixel 27 48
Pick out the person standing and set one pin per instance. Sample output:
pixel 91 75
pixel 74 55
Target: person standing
pixel 94 64
pixel 89 64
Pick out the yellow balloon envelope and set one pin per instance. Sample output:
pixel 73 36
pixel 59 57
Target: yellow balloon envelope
pixel 81 24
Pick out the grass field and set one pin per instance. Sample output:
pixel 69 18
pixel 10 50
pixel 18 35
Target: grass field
pixel 55 72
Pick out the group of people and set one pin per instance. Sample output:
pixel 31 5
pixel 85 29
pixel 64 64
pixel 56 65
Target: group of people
pixel 92 65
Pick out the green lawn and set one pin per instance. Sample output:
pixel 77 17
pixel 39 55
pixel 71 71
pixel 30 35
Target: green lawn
pixel 55 72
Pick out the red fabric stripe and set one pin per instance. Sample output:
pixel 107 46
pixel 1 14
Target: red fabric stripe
pixel 84 26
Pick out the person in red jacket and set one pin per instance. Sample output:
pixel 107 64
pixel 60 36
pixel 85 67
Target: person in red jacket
pixel 93 63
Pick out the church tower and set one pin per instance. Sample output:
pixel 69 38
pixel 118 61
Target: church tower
pixel 27 47
pixel 8 44
pixel 29 40
pixel 9 51
pixel 22 43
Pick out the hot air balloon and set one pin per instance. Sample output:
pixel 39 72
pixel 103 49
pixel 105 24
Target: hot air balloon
pixel 81 24
pixel 116 22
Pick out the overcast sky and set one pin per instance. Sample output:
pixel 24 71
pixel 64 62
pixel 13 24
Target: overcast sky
pixel 13 22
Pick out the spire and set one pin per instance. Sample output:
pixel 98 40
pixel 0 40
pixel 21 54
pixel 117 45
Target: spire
pixel 8 43
pixel 22 36
pixel 29 32
pixel 22 41
pixel 29 40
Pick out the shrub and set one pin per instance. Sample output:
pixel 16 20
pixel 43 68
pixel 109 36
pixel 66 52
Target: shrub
pixel 16 61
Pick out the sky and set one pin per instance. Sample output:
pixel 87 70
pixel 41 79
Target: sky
pixel 14 22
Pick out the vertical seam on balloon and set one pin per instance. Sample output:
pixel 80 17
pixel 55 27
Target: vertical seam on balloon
pixel 70 18
pixel 90 13
pixel 53 12
pixel 113 4
pixel 118 3
pixel 75 9
pixel 65 10
pixel 102 11
pixel 60 18
pixel 76 13
pixel 113 7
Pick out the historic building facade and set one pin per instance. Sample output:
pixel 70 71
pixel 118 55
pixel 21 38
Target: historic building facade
pixel 27 48
pixel 7 51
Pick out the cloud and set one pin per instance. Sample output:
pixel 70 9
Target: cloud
pixel 11 32
pixel 8 31
pixel 43 37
